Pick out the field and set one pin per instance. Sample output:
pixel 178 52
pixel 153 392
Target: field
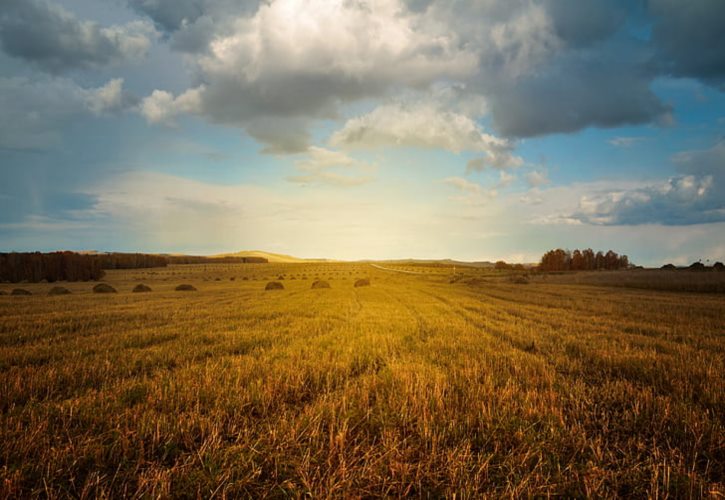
pixel 420 385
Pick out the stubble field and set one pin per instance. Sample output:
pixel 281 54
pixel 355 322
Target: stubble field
pixel 413 386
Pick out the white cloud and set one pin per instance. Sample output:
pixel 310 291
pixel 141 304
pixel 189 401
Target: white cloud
pixel 306 61
pixel 55 40
pixel 107 98
pixel 695 197
pixel 162 107
pixel 301 60
pixel 324 166
pixel 525 40
pixel 426 125
pixel 420 125
pixel 499 158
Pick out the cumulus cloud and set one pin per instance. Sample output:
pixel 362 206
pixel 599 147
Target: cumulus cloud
pixel 420 125
pixel 554 66
pixel 580 24
pixel 162 107
pixel 498 157
pixel 695 197
pixel 280 135
pixel 190 25
pixel 170 15
pixel 574 91
pixel 108 98
pixel 302 60
pixel 56 40
pixel 34 111
pixel 325 166
pixel 426 125
pixel 688 38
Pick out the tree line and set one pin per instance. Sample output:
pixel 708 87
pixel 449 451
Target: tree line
pixel 197 259
pixel 35 267
pixel 582 260
pixel 56 266
pixel 131 260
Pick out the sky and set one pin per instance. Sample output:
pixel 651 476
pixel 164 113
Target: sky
pixel 354 129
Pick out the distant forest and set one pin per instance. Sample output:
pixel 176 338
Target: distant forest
pixel 35 267
pixel 582 260
pixel 56 266
pixel 193 259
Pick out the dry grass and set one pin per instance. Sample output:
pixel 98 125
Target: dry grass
pixel 413 387
pixel 681 280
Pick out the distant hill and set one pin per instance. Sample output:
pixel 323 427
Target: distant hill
pixel 271 257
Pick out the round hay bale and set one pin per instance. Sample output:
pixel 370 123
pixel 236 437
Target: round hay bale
pixel 280 277
pixel 520 280
pixel 362 282
pixel 718 266
pixel 58 290
pixel 696 266
pixel 141 288
pixel 669 267
pixel 185 288
pixel 103 288
pixel 274 285
pixel 20 291
pixel 320 284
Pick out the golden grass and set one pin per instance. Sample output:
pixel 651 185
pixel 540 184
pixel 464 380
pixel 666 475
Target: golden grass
pixel 412 387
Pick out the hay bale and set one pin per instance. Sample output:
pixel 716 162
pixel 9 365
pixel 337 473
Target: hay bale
pixel 320 284
pixel 185 288
pixel 103 288
pixel 58 290
pixel 718 266
pixel 697 266
pixel 141 288
pixel 3 292
pixel 20 291
pixel 274 285
pixel 668 267
pixel 280 277
pixel 362 282
pixel 520 280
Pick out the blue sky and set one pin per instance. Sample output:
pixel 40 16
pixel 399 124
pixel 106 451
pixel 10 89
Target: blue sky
pixel 372 129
